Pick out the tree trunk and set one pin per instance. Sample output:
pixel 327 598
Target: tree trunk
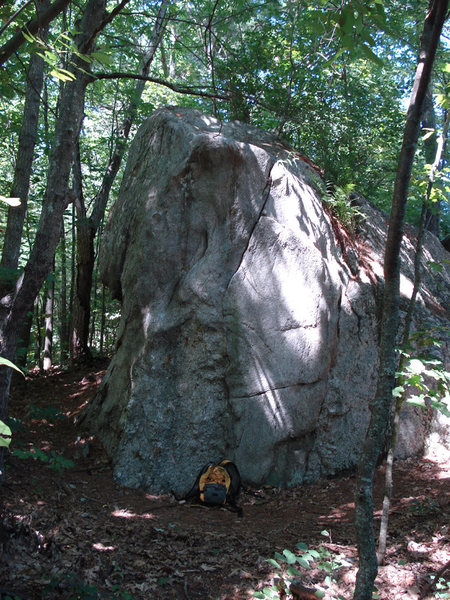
pixel 382 541
pixel 48 321
pixel 22 173
pixel 24 340
pixel 81 308
pixel 64 320
pixel 55 199
pixel 15 221
pixel 389 324
pixel 103 321
pixel 88 227
pixel 430 147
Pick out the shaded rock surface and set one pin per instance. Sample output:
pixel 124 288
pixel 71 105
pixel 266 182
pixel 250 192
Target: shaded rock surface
pixel 249 321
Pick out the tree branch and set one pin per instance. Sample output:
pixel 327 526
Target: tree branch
pixel 176 87
pixel 32 27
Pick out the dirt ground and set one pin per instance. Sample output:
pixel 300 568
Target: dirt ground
pixel 73 533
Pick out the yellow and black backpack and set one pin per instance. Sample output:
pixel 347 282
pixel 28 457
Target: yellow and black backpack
pixel 217 484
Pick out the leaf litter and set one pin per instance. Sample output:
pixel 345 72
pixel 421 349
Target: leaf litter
pixel 73 532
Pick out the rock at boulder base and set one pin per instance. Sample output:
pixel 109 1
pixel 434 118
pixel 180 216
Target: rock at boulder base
pixel 244 334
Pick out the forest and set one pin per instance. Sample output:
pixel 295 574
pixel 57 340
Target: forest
pixel 332 81
pixel 359 87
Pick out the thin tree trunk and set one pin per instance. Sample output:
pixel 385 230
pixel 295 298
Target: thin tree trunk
pixel 81 308
pixel 55 198
pixel 103 321
pixel 48 320
pixel 15 221
pixel 380 409
pixel 430 148
pixel 22 172
pixel 382 541
pixel 88 227
pixel 64 321
pixel 24 341
pixel 39 325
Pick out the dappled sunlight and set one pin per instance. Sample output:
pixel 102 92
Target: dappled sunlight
pixel 102 548
pixel 342 514
pixel 124 513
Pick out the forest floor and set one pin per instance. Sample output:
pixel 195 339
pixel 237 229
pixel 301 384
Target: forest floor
pixel 73 533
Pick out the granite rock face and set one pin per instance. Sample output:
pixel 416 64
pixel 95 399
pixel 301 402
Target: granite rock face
pixel 249 328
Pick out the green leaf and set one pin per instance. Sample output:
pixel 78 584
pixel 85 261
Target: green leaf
pixel 429 133
pixel 290 557
pixel 102 57
pixel 28 36
pixel 274 563
pixel 62 74
pixel 435 266
pixel 293 571
pixel 416 366
pixel 303 562
pixel 5 435
pixel 370 54
pixel 8 363
pixel 398 391
pixel 302 546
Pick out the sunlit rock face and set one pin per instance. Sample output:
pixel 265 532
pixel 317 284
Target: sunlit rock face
pixel 244 332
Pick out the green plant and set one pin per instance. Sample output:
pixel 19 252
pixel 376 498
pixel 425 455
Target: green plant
pixel 426 376
pixel 5 435
pixel 425 506
pixel 442 587
pixel 50 413
pixel 55 461
pixel 5 431
pixel 287 571
pixel 338 200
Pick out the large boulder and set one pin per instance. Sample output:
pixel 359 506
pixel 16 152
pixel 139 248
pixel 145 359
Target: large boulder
pixel 249 323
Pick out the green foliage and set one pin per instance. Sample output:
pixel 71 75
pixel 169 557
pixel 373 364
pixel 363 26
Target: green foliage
pixel 423 376
pixel 55 461
pixel 288 564
pixel 442 587
pixel 5 430
pixel 5 435
pixel 338 200
pixel 49 413
pixel 426 506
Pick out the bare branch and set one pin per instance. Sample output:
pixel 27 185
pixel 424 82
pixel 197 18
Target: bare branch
pixel 176 87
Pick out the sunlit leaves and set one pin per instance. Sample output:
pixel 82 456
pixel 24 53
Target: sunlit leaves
pixel 5 435
pixel 423 380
